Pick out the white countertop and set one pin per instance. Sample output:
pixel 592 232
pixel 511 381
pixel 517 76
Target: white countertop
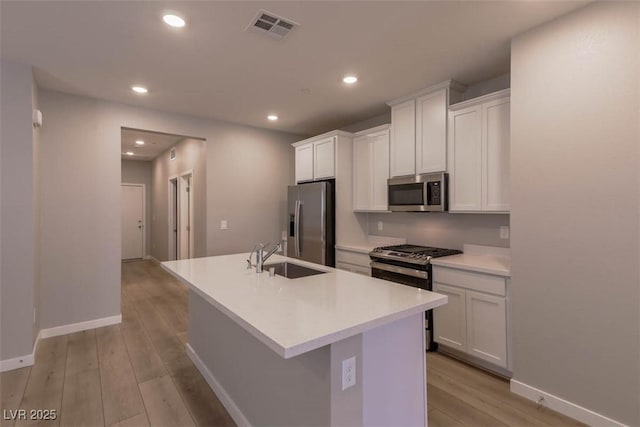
pixel 483 259
pixel 372 242
pixel 294 316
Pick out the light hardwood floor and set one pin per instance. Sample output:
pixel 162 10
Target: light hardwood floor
pixel 138 374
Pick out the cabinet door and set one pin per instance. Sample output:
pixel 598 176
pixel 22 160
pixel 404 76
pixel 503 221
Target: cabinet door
pixel 362 173
pixel 403 139
pixel 324 159
pixel 495 159
pixel 487 328
pixel 431 132
pixel 380 149
pixel 449 320
pixel 465 161
pixel 304 163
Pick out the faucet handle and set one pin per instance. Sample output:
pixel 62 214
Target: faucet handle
pixel 257 247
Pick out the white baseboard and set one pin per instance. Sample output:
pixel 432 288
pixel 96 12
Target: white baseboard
pixel 17 362
pixel 80 326
pixel 217 388
pixel 21 362
pixel 565 407
pixel 152 258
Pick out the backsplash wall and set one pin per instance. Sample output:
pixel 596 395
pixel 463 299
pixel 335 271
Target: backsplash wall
pixel 446 230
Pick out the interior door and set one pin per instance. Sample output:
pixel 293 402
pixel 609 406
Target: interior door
pixel 185 218
pixel 132 221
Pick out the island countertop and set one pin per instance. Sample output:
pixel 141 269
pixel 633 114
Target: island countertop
pixel 294 316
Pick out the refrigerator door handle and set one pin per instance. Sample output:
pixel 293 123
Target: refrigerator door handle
pixel 296 225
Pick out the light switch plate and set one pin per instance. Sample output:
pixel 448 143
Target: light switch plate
pixel 504 232
pixel 223 224
pixel 380 225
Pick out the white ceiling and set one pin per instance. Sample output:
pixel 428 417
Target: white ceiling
pixel 214 68
pixel 155 143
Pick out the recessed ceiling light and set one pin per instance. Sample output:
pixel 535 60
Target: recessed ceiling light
pixel 173 20
pixel 272 117
pixel 139 142
pixel 139 89
pixel 350 79
pixel 129 153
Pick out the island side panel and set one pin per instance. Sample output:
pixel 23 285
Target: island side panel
pixel 394 374
pixel 264 387
pixel 346 405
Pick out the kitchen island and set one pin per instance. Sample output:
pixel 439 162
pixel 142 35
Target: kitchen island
pixel 276 351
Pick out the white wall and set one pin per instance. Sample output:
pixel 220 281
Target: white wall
pixel 139 172
pixel 248 170
pixel 575 235
pixel 445 230
pixel 18 226
pixel 190 156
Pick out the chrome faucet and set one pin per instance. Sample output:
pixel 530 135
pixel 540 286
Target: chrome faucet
pixel 261 256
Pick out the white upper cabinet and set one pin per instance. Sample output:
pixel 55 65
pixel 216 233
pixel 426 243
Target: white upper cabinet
pixel 324 155
pixel 495 161
pixel 431 132
pixel 478 154
pixel 403 139
pixel 419 130
pixel 465 169
pixel 316 158
pixel 371 169
pixel 304 163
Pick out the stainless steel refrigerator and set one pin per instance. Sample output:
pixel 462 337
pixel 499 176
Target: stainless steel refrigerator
pixel 311 218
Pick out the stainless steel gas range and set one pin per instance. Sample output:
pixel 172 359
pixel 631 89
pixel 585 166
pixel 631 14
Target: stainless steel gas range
pixel 409 265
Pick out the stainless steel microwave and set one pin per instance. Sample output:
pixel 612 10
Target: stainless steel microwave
pixel 419 193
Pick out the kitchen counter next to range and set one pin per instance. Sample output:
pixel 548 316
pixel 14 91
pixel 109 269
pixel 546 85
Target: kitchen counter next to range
pixel 482 259
pixel 294 316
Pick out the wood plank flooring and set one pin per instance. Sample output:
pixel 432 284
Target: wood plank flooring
pixel 138 374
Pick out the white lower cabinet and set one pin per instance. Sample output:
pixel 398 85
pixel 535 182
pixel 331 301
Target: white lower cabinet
pixel 487 327
pixel 451 325
pixel 353 261
pixel 474 321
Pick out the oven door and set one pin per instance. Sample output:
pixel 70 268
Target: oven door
pixel 403 275
pixel 410 277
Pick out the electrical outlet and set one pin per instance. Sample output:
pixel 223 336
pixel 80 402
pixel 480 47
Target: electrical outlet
pixel 504 232
pixel 223 224
pixel 348 373
pixel 380 225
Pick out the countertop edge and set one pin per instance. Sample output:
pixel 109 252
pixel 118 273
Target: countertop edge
pixel 461 265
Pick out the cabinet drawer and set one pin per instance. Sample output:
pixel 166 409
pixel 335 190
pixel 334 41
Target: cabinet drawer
pixel 352 258
pixel 470 280
pixel 366 271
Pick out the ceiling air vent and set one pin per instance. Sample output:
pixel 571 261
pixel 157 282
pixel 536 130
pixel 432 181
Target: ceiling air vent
pixel 271 24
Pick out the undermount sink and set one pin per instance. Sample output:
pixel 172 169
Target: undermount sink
pixel 291 270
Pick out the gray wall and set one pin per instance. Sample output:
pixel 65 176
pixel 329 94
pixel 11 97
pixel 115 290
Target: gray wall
pixel 18 225
pixel 248 171
pixel 80 202
pixel 190 156
pixel 139 172
pixel 80 175
pixel 575 208
pixel 442 229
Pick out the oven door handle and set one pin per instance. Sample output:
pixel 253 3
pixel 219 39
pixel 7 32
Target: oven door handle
pixel 400 270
